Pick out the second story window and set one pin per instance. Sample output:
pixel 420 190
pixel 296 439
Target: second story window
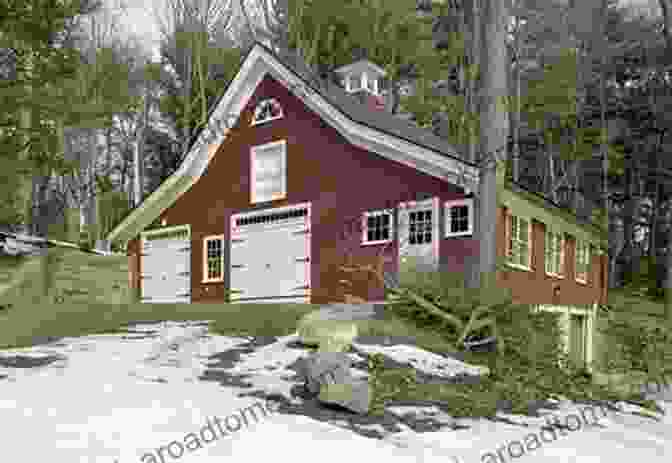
pixel 268 165
pixel 519 252
pixel 582 261
pixel 554 253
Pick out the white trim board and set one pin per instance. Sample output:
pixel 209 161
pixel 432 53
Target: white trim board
pixel 255 67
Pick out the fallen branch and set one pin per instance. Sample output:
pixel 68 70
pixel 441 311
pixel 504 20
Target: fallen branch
pixel 408 295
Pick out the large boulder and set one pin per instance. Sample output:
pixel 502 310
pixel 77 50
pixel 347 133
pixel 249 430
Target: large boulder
pixel 327 376
pixel 354 394
pixel 324 368
pixel 334 326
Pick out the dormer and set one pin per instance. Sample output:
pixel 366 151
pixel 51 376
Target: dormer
pixel 362 76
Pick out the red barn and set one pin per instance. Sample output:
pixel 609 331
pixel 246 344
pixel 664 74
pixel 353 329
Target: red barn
pixel 266 206
pixel 293 174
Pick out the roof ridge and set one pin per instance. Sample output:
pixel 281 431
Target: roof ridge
pixel 324 85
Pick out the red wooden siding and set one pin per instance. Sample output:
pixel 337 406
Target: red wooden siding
pixel 341 182
pixel 535 287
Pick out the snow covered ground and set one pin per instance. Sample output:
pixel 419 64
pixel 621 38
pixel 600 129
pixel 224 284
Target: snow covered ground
pixel 125 398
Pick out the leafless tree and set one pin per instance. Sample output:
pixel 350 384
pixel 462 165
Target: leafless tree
pixel 185 23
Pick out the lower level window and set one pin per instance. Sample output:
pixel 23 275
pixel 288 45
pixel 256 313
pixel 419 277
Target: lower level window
pixel 213 258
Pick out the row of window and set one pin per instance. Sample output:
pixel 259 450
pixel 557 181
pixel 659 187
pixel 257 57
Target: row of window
pixel 519 250
pixel 378 228
pixel 378 225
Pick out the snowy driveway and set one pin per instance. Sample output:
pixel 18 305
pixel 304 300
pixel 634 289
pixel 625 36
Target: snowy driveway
pixel 125 398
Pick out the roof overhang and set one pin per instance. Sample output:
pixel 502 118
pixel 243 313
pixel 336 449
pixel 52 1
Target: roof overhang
pixel 258 63
pixel 360 66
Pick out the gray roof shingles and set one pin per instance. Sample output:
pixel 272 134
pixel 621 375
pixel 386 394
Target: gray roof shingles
pixel 358 112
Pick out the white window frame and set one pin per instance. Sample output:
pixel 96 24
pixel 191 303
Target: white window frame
pixel 348 81
pixel 253 177
pixel 259 107
pixel 365 230
pixel 550 238
pixel 509 229
pixel 206 277
pixel 578 276
pixel 448 205
pixel 368 79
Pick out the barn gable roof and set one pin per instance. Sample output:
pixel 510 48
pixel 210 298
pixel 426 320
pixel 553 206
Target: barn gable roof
pixel 374 131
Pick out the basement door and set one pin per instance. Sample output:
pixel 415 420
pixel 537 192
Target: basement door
pixel 270 255
pixel 165 265
pixel 577 338
pixel 418 224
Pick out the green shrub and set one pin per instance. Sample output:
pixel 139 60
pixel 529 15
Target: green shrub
pixel 112 207
pixel 531 367
pixel 639 348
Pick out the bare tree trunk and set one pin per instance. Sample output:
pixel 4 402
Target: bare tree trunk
pixel 25 123
pixel 187 102
pixel 604 147
pixel 473 62
pixel 653 242
pixel 515 162
pixel 552 190
pixel 137 176
pixel 515 157
pixel 108 148
pixel 494 130
pixel 666 9
pixel 138 161
pixel 87 192
pixel 668 280
pixel 626 255
pixel 575 183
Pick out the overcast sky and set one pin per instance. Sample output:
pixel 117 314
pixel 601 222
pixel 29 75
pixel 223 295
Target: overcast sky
pixel 140 19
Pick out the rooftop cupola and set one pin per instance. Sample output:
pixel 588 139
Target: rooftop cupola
pixel 362 76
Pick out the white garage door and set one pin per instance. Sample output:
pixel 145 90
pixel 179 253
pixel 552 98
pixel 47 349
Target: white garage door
pixel 270 255
pixel 165 266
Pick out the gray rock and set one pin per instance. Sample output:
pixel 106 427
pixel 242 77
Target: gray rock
pixel 324 368
pixel 354 394
pixel 334 326
pixel 327 375
pixel 347 312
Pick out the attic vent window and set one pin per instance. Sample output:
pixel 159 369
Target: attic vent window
pixel 354 83
pixel 267 110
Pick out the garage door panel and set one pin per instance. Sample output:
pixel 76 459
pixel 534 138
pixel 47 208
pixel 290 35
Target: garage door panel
pixel 272 248
pixel 166 270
